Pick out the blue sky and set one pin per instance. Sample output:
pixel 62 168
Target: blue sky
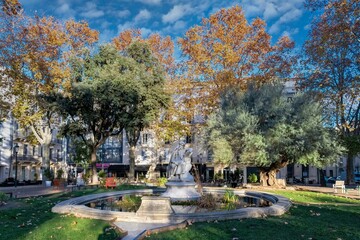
pixel 172 17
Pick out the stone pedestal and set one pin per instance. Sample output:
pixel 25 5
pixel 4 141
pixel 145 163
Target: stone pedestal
pixel 181 191
pixel 155 204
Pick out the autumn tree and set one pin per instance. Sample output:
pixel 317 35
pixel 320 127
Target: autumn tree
pixel 226 50
pixel 333 68
pixel 263 128
pixel 34 55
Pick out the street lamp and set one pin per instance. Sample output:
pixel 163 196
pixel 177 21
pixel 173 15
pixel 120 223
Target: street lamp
pixel 16 150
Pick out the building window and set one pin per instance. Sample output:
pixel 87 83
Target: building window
pixel 331 173
pixel 145 138
pixel 25 149
pixel 33 152
pixel 188 139
pixel 51 153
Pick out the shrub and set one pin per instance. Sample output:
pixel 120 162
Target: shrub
pixel 86 176
pixel 3 198
pixel 161 181
pixel 130 203
pixel 102 178
pixel 230 200
pixel 49 174
pixel 207 201
pixel 253 178
pixel 59 173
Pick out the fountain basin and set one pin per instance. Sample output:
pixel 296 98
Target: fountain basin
pixel 76 206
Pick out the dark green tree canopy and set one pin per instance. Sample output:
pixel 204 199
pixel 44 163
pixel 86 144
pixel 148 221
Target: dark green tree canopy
pixel 112 91
pixel 152 96
pixel 265 128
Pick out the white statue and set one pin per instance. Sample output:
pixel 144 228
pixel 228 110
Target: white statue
pixel 180 164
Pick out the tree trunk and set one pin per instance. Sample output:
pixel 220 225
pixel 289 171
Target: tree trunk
pixel 132 152
pixel 350 169
pixel 268 177
pixel 46 155
pixel 197 178
pixel 268 174
pixel 322 178
pixel 45 161
pixel 94 178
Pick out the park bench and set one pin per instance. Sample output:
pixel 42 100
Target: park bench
pixel 110 182
pixel 339 185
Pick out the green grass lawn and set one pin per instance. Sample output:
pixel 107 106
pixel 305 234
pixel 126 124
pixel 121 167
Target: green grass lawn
pixel 313 216
pixel 31 218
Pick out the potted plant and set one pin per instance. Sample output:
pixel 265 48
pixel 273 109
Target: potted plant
pixel 35 177
pixel 49 175
pixel 59 181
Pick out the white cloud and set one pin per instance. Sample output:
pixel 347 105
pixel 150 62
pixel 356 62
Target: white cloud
pixel 270 11
pixel 290 32
pixel 64 8
pixel 65 11
pixel 125 26
pixel 123 13
pixel 289 16
pixel 179 25
pixel 176 13
pixel 307 27
pixel 142 15
pixel 145 32
pixel 106 36
pixel 150 2
pixel 91 11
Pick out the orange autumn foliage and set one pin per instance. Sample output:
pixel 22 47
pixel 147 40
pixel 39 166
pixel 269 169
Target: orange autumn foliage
pixel 227 51
pixel 162 47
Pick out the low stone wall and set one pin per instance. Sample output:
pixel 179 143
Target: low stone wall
pixel 76 206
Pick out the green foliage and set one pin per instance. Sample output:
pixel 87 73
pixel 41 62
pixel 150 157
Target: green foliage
pixel 253 178
pixel 3 198
pixel 35 176
pixel 130 203
pixel 161 181
pixel 86 176
pixel 102 176
pixel 265 129
pixel 207 201
pixel 59 173
pixel 221 149
pixel 49 173
pixel 352 144
pixel 82 152
pixel 218 176
pixel 151 96
pixel 230 199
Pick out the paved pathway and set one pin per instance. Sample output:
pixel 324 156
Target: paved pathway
pixel 30 191
pixel 134 229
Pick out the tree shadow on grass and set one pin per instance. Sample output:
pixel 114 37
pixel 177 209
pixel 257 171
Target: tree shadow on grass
pixel 33 219
pixel 302 222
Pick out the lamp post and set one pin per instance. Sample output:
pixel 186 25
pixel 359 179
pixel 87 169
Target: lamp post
pixel 16 150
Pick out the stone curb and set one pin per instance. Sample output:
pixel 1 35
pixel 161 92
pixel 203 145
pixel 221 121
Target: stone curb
pixel 75 206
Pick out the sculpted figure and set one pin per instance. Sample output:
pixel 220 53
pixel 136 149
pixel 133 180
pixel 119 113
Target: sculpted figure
pixel 180 164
